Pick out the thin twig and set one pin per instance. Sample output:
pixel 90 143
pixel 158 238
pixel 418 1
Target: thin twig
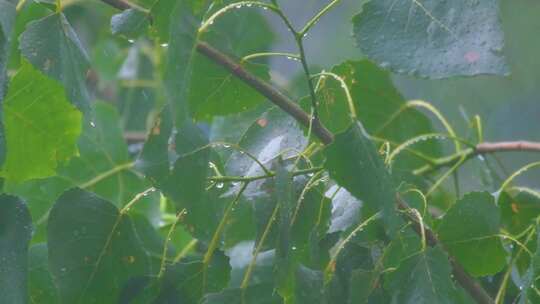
pixel 267 90
pixel 480 149
pixel 118 4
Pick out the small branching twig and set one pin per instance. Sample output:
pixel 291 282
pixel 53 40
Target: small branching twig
pixel 480 149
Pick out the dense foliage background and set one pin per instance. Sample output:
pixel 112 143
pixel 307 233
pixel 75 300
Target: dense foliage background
pixel 197 151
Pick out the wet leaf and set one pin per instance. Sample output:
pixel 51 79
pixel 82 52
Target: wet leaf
pixel 93 249
pixel 41 126
pixel 470 232
pixel 354 163
pixel 431 38
pixel 15 234
pixel 54 48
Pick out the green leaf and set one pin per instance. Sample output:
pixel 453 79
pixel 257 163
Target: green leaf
pixel 519 209
pixel 181 174
pixel 41 126
pixel 376 100
pixel 470 230
pixel 53 47
pixel 93 249
pixel 254 294
pixel 423 278
pixel 104 166
pixel 531 282
pixel 181 55
pixel 364 283
pixel 354 163
pixel 182 282
pixel 7 22
pixel 161 16
pixel 273 133
pixel 137 102
pixel 130 23
pixel 39 195
pixel 284 260
pixel 40 283
pixel 354 257
pixel 15 234
pixel 215 91
pixel 162 12
pixel 309 286
pixel 154 159
pixel 432 38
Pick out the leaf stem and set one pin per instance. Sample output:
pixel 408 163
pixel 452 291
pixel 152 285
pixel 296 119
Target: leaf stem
pixel 225 179
pixel 106 174
pixel 166 244
pixel 249 270
pixel 330 267
pixel 303 60
pixel 235 5
pixel 317 17
pixel 221 226
pixel 499 299
pixel 20 5
pixel 269 54
pixel 350 101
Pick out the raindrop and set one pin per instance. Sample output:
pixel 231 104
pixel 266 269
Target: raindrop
pixel 220 185
pixel 131 40
pixel 92 124
pixel 164 44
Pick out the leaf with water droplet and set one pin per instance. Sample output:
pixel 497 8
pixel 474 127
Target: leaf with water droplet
pixel 130 23
pixel 111 244
pixel 442 35
pixel 354 163
pixel 53 47
pixel 470 231
pixel 424 278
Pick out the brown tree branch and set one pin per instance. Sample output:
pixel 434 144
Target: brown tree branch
pixel 274 95
pixel 289 106
pixel 480 149
pixel 118 4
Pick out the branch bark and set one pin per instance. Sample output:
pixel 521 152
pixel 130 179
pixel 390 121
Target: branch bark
pixel 480 149
pixel 118 4
pixel 289 106
pixel 274 95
